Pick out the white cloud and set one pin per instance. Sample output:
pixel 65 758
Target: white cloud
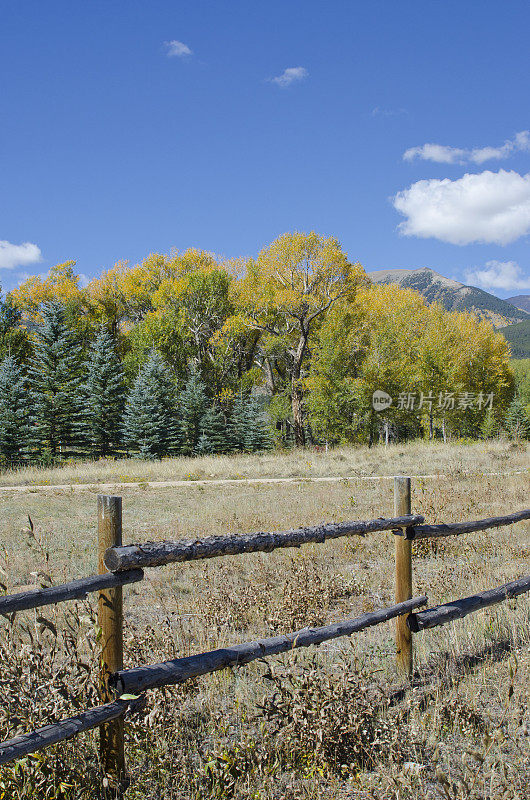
pixel 388 112
pixel 178 49
pixel 506 275
pixel 289 76
pixel 491 207
pixel 435 152
pixel 444 154
pixel 521 142
pixel 18 255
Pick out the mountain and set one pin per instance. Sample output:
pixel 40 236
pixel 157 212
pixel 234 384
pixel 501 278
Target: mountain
pixel 453 295
pixel 521 301
pixel 519 337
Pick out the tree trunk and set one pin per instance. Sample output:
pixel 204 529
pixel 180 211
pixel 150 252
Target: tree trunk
pixel 371 429
pixel 297 394
pixel 270 383
pixel 298 419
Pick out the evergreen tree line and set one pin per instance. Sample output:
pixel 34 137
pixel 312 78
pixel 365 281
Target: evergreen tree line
pixel 67 405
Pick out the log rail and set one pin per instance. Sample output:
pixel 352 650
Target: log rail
pixel 22 746
pixel 156 554
pixel 75 590
pixel 181 669
pixel 457 528
pixel 458 609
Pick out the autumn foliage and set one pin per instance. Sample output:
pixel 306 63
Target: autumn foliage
pixel 299 326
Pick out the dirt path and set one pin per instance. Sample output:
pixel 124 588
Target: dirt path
pixel 104 487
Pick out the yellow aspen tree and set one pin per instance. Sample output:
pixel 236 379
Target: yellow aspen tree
pixel 61 285
pixel 286 293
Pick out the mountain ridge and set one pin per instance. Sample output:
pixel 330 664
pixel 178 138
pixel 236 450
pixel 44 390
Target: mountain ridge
pixel 521 301
pixel 453 295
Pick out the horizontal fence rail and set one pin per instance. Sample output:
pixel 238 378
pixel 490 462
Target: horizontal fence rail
pixel 180 669
pixel 172 672
pixel 156 554
pixel 456 528
pixel 22 746
pixel 457 609
pixel 75 590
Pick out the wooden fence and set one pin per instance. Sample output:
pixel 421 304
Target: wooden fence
pixel 119 565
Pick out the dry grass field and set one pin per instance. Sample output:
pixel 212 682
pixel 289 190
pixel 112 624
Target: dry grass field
pixel 327 722
pixel 414 458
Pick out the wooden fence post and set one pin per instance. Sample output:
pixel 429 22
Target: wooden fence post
pixel 402 506
pixel 110 615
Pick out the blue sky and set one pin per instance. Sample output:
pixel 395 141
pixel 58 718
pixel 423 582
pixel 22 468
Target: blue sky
pixel 134 127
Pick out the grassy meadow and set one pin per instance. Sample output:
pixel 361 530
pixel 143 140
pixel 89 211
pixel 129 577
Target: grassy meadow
pixel 327 722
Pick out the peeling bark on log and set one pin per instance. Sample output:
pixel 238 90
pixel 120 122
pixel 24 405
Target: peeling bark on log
pixel 441 615
pixel 180 669
pixel 155 554
pixel 456 528
pixel 51 734
pixel 34 598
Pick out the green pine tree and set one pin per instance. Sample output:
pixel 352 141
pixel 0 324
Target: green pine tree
pixel 258 434
pixel 517 420
pixel 489 427
pixel 213 438
pixel 204 446
pixel 238 424
pixel 104 396
pixel 14 339
pixel 193 404
pixel 14 412
pixel 56 375
pixel 149 422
